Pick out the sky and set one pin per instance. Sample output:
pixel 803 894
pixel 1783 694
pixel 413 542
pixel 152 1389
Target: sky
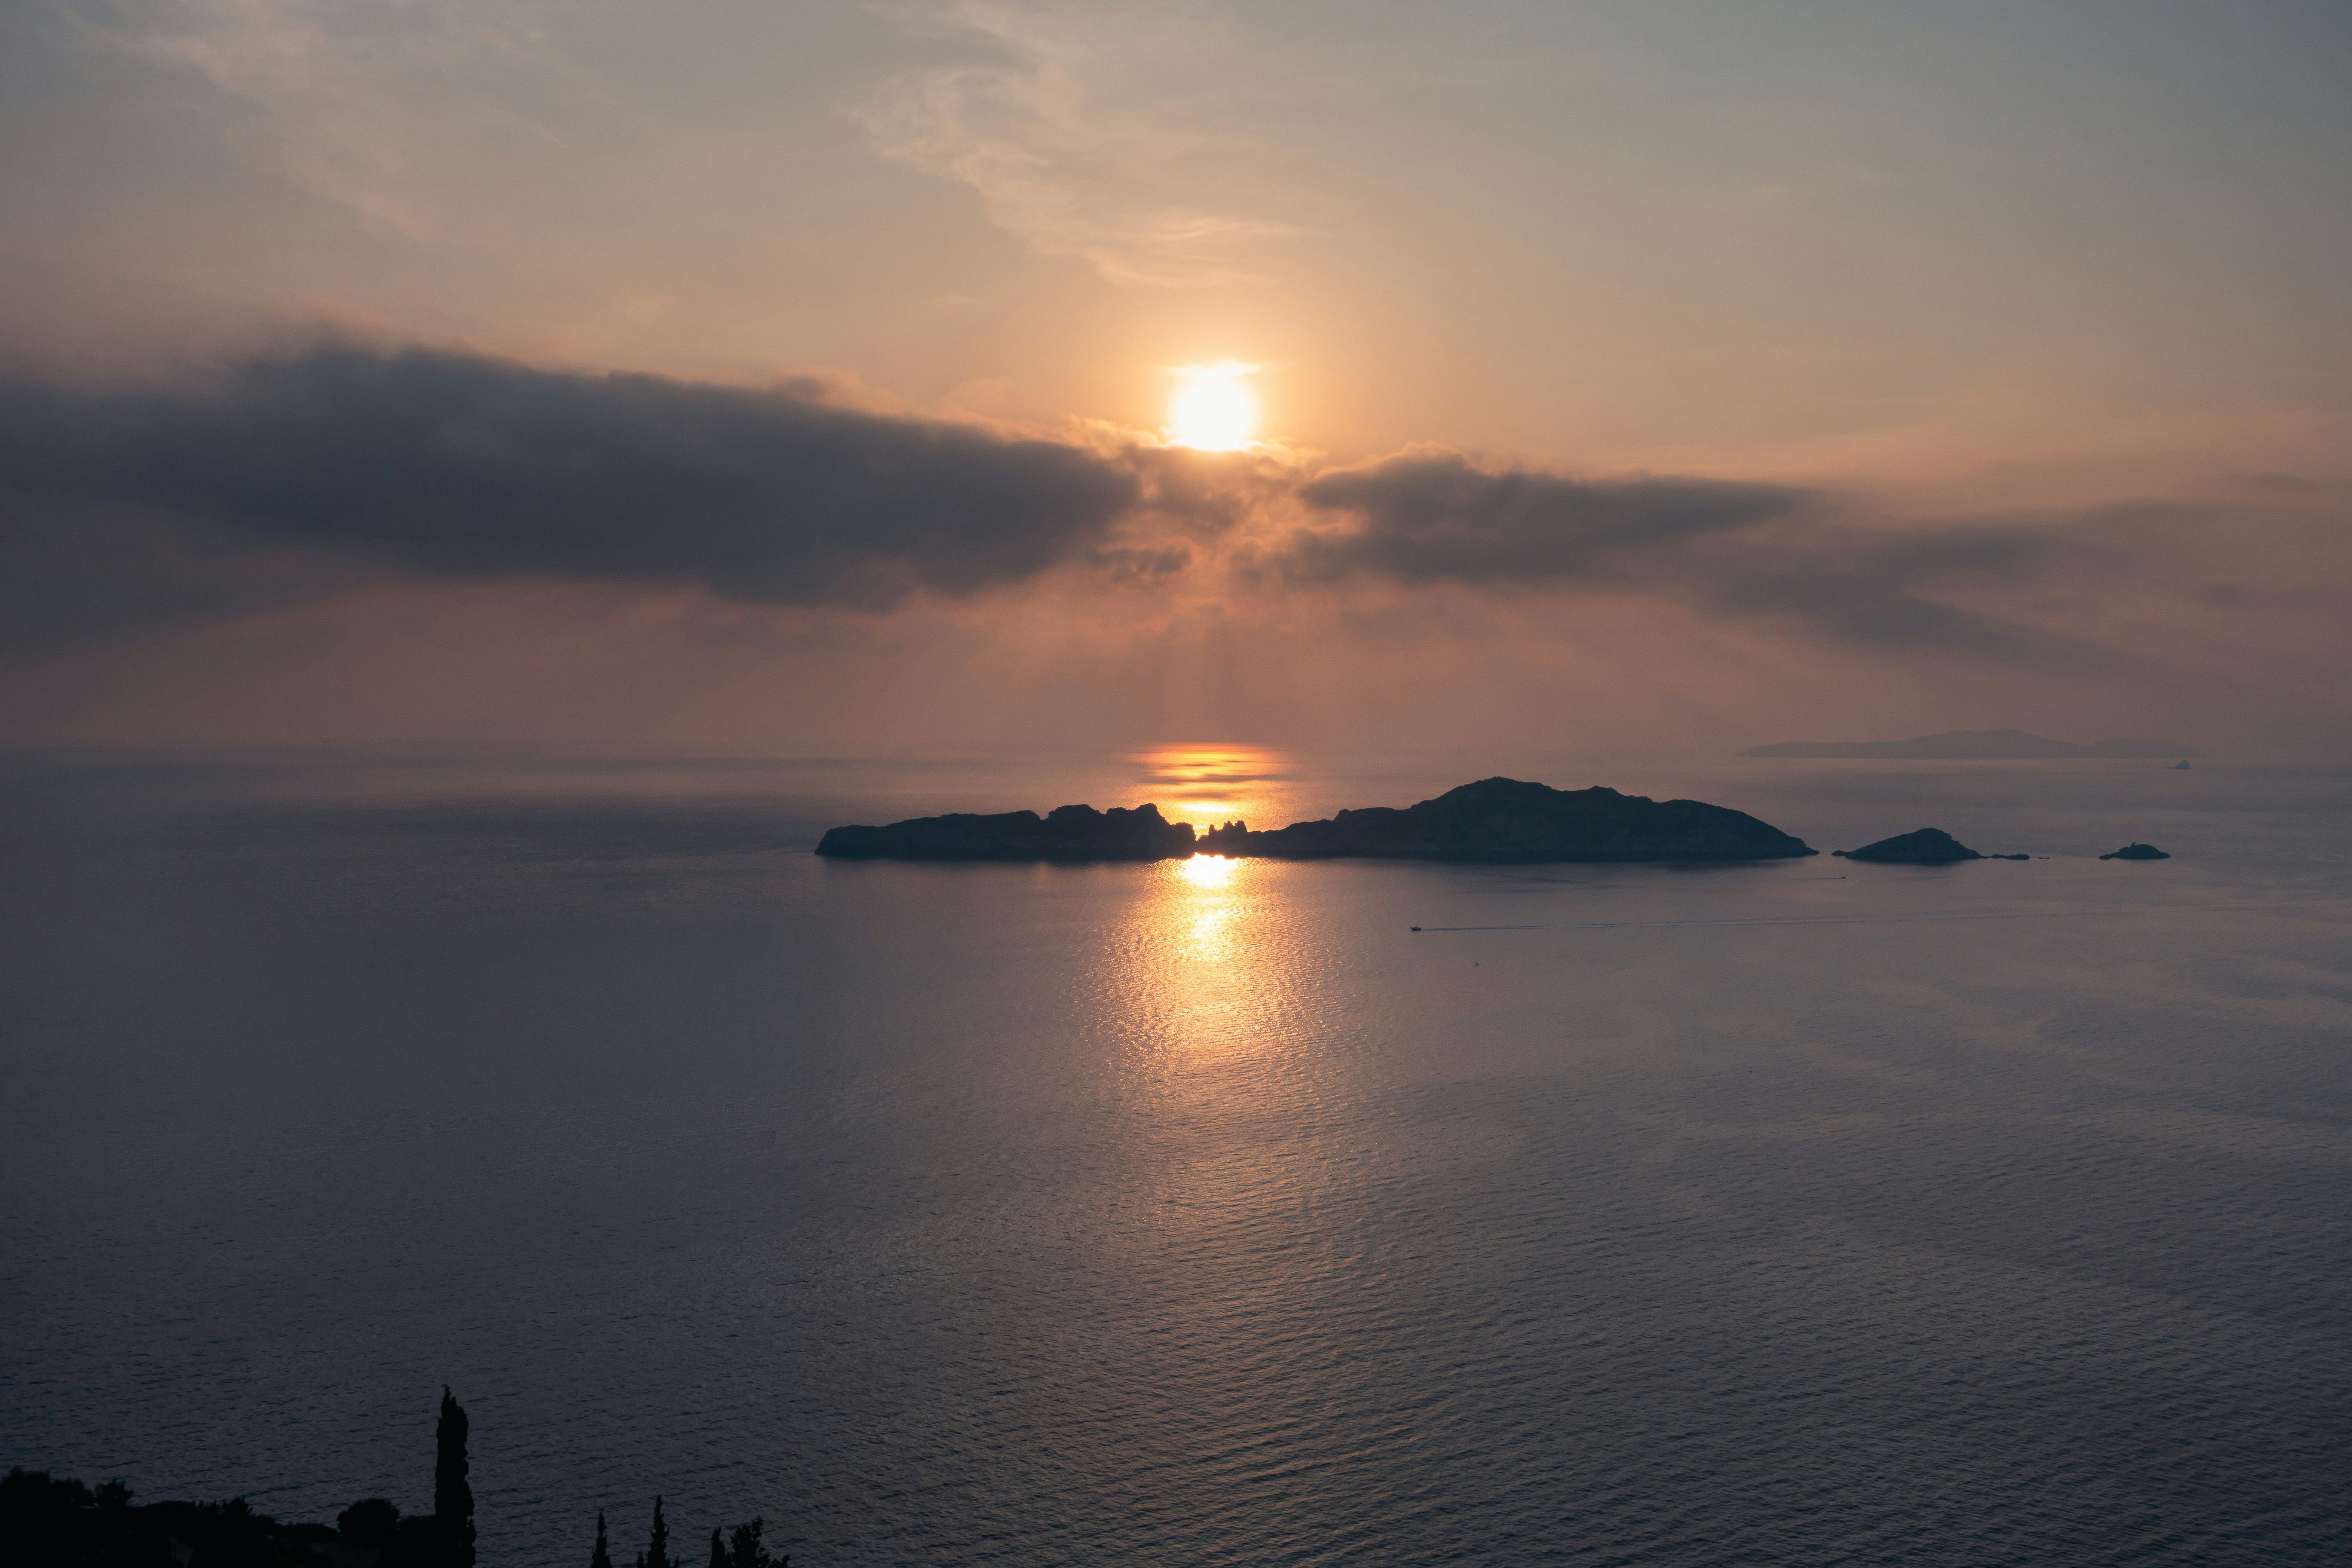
pixel 798 378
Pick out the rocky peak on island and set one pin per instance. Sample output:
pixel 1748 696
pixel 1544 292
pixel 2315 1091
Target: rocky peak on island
pixel 2137 852
pixel 1501 820
pixel 1928 847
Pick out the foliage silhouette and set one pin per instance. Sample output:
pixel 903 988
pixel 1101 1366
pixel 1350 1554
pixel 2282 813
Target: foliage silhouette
pixel 370 1521
pixel 46 1522
pixel 453 1499
pixel 658 1549
pixel 65 1524
pixel 746 1550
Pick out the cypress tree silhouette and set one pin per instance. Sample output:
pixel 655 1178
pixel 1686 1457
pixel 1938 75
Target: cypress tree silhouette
pixel 717 1551
pixel 657 1549
pixel 453 1499
pixel 602 1557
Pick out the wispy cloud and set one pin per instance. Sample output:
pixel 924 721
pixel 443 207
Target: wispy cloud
pixel 380 105
pixel 1097 133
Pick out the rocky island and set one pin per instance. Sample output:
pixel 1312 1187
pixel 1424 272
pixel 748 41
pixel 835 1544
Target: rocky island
pixel 1067 833
pixel 1495 821
pixel 2137 852
pixel 1928 847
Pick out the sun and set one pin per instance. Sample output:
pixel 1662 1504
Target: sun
pixel 1214 407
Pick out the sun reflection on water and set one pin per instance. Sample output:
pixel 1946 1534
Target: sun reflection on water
pixel 1206 871
pixel 1198 973
pixel 1199 909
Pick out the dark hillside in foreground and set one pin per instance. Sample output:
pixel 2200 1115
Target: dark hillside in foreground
pixel 47 1523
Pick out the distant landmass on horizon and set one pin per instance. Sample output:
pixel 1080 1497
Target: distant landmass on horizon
pixel 1975 745
pixel 1497 820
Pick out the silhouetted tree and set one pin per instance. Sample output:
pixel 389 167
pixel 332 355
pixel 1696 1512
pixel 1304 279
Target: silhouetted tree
pixel 601 1557
pixel 658 1549
pixel 46 1520
pixel 418 1544
pixel 48 1523
pixel 453 1499
pixel 747 1551
pixel 718 1550
pixel 370 1521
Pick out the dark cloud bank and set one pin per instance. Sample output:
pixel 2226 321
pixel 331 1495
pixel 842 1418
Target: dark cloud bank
pixel 118 508
pixel 459 465
pixel 1750 549
pixel 1436 518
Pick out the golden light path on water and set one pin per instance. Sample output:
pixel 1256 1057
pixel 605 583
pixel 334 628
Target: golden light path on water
pixel 1207 870
pixel 1202 918
pixel 1190 949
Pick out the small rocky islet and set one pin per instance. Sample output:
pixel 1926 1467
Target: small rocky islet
pixel 1927 847
pixel 1933 846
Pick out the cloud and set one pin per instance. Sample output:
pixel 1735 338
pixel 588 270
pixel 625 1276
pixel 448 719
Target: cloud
pixel 458 464
pixel 1076 143
pixel 1433 517
pixel 309 472
pixel 1890 588
pixel 1742 549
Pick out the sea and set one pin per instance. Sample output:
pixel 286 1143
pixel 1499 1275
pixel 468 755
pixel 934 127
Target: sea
pixel 1206 1212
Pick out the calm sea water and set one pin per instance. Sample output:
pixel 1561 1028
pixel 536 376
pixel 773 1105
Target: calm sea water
pixel 1188 1214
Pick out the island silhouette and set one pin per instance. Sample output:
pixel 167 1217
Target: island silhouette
pixel 1927 847
pixel 1497 820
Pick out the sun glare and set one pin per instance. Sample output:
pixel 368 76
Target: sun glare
pixel 1214 407
pixel 1206 871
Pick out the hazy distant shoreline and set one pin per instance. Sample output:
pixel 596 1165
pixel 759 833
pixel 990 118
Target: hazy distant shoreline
pixel 1976 745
